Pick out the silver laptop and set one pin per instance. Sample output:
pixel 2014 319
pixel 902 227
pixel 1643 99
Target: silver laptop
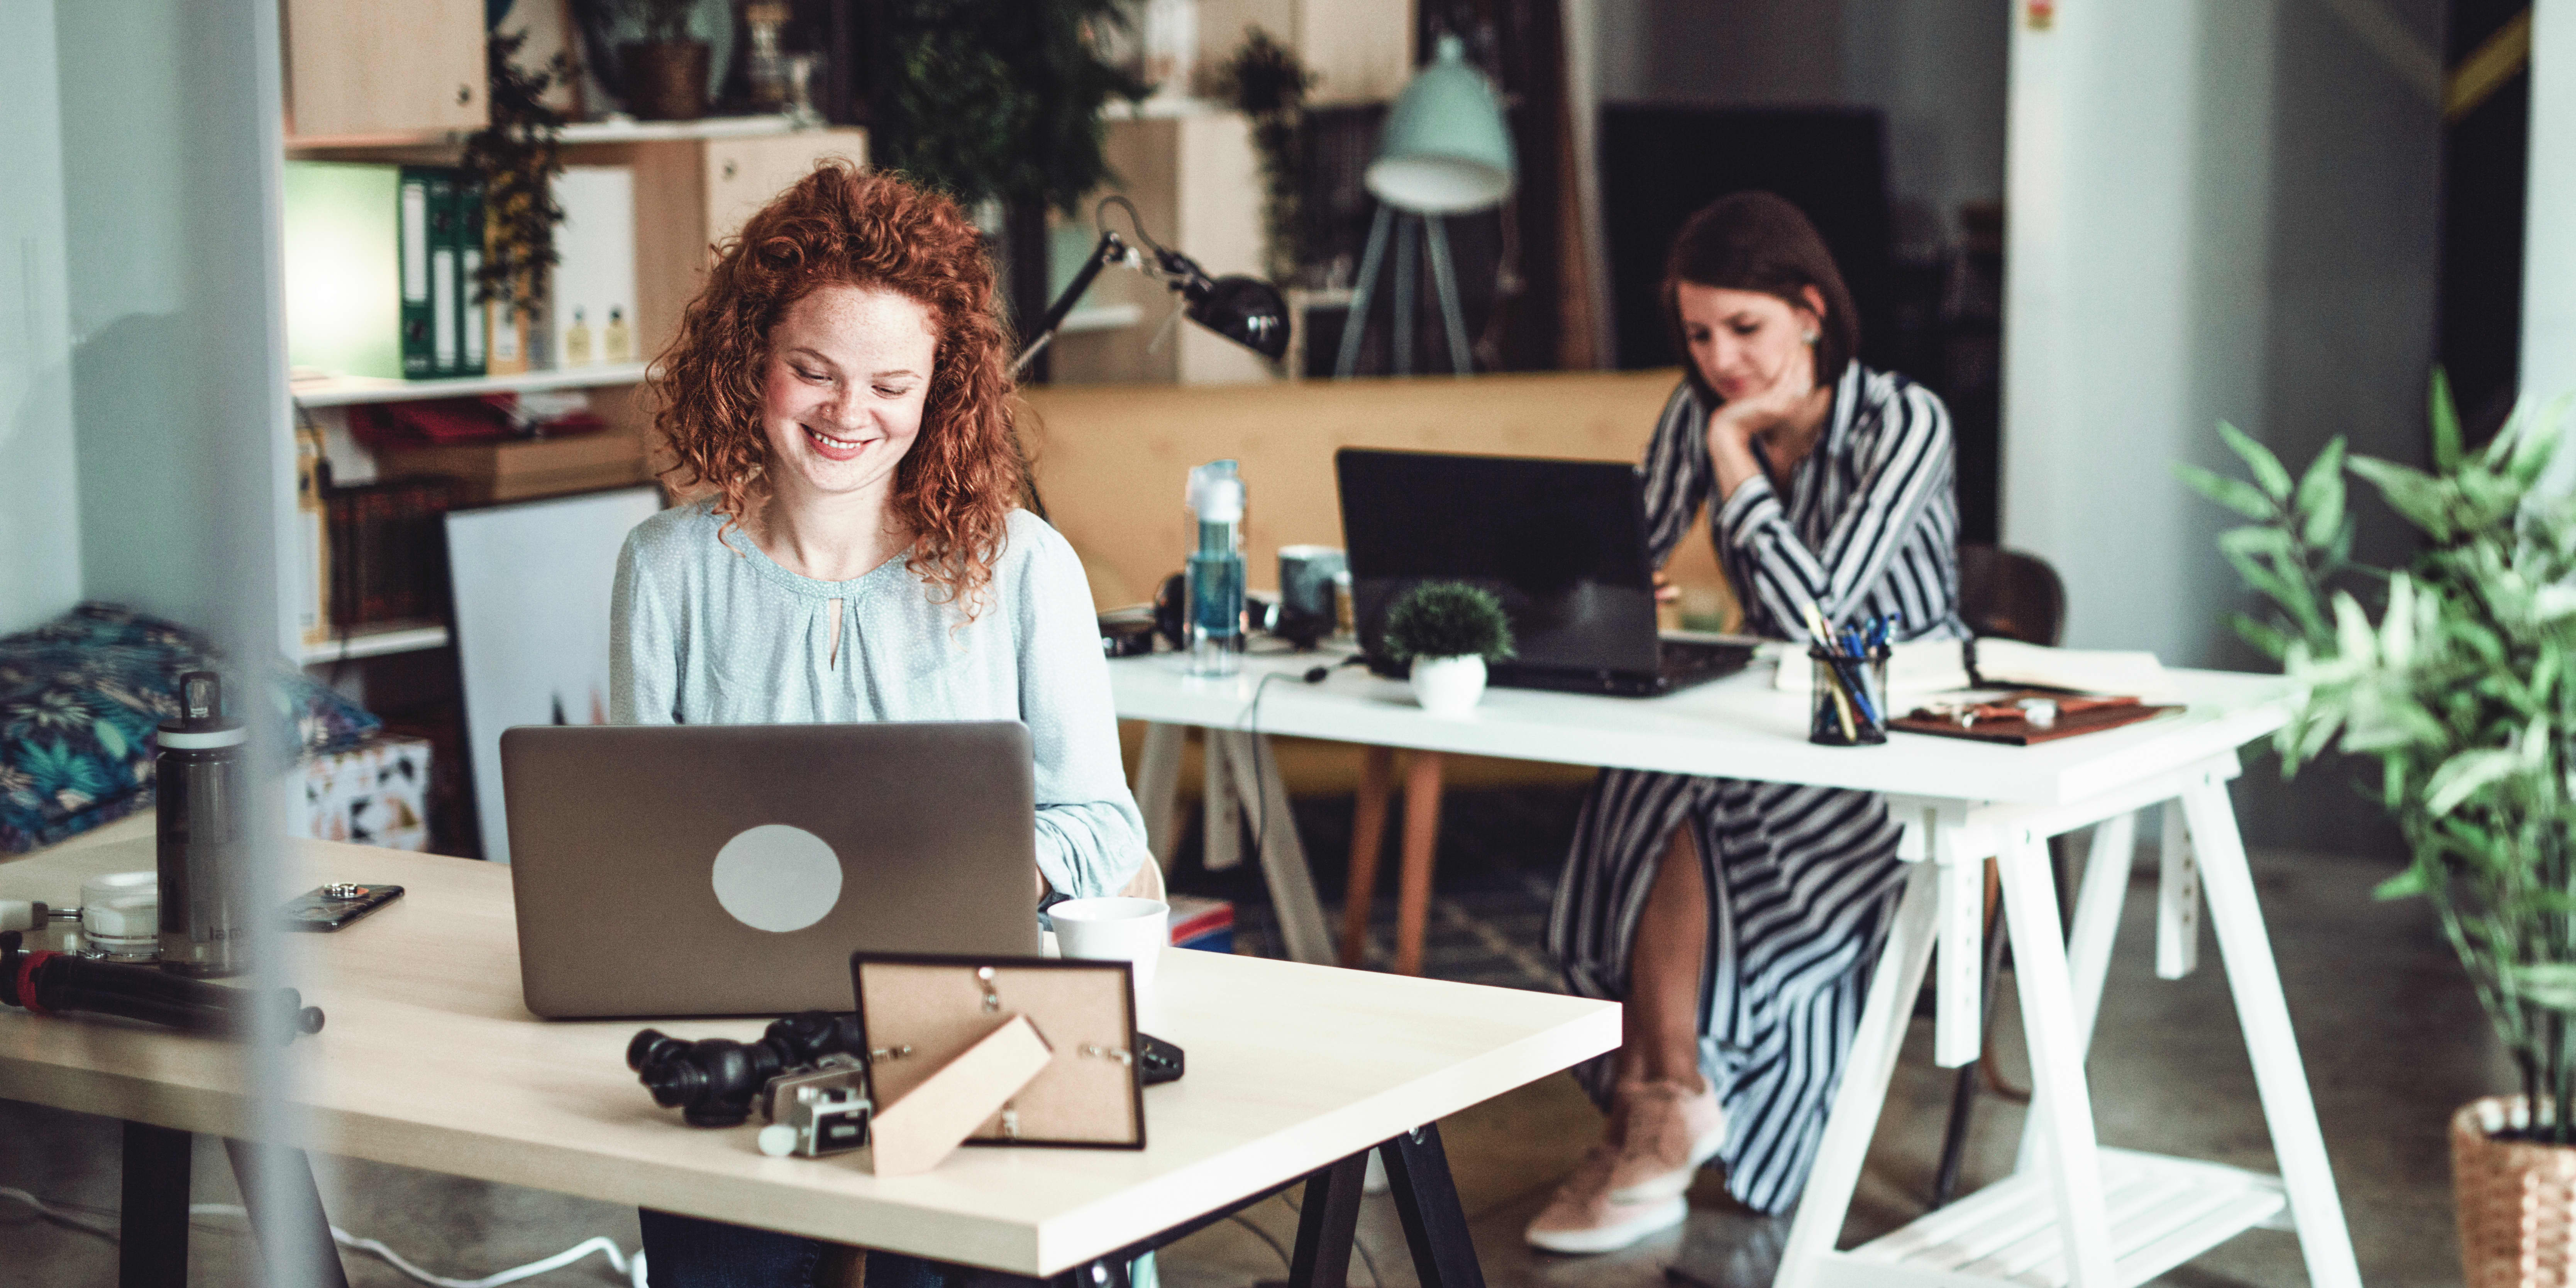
pixel 732 869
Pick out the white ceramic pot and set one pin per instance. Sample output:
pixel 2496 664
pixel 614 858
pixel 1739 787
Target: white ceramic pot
pixel 1448 686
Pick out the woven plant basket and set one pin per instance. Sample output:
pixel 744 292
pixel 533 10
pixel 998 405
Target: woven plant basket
pixel 2517 1200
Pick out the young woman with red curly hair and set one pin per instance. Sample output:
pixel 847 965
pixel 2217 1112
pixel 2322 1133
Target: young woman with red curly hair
pixel 840 388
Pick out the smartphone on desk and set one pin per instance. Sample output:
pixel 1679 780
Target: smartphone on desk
pixel 326 908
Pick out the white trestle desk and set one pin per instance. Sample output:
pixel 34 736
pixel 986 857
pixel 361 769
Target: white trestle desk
pixel 2074 1213
pixel 428 1060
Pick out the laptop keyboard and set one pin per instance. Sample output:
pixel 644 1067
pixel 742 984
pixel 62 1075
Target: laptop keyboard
pixel 1701 658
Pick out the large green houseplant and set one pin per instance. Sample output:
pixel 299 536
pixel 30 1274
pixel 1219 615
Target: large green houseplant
pixel 2458 677
pixel 1000 101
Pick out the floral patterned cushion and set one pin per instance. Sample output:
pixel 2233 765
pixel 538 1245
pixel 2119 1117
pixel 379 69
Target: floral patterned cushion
pixel 81 698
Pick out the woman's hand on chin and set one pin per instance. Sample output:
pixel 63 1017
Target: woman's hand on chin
pixel 1790 402
pixel 1786 409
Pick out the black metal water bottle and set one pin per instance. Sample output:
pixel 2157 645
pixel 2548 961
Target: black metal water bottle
pixel 202 772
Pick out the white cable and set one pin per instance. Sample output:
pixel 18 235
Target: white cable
pixel 630 1266
pixel 55 1214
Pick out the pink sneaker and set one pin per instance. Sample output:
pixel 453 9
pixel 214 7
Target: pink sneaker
pixel 1584 1217
pixel 1668 1130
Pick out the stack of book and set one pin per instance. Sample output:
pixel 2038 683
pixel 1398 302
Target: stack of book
pixel 388 551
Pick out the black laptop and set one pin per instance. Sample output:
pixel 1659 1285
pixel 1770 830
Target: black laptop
pixel 1562 543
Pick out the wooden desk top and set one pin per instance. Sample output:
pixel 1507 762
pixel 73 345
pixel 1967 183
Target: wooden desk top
pixel 430 1061
pixel 1737 727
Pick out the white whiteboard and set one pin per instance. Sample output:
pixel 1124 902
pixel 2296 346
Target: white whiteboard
pixel 532 584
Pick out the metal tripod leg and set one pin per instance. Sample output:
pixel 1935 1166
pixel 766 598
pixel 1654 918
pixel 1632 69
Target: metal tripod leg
pixel 1452 319
pixel 1407 272
pixel 1347 363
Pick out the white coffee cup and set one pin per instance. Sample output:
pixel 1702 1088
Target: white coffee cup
pixel 1115 930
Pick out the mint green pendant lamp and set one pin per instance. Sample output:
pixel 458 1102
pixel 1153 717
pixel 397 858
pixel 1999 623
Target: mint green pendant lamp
pixel 1446 150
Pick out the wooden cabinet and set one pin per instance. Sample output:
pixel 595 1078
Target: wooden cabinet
pixel 693 193
pixel 356 70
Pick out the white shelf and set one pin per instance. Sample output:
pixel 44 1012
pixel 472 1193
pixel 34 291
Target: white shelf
pixel 376 641
pixel 705 127
pixel 341 391
pixel 577 132
pixel 2164 1211
pixel 1102 317
pixel 1162 107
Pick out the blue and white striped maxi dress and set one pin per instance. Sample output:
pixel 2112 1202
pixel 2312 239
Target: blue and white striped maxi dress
pixel 1801 880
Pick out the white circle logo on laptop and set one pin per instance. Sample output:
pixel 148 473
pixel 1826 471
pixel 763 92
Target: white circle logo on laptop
pixel 777 878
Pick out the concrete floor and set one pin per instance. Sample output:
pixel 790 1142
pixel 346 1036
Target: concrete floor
pixel 2391 1034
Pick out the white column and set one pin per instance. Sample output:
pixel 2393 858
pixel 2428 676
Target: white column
pixel 40 566
pixel 2549 228
pixel 2137 150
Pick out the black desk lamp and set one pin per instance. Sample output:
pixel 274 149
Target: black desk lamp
pixel 1246 310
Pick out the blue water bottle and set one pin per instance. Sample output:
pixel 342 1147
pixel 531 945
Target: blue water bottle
pixel 1213 631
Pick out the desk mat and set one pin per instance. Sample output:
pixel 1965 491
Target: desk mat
pixel 2017 732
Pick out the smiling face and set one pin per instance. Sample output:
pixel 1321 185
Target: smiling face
pixel 842 392
pixel 1749 343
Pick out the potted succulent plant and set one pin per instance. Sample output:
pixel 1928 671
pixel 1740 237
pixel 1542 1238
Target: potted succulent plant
pixel 665 72
pixel 2463 688
pixel 1448 631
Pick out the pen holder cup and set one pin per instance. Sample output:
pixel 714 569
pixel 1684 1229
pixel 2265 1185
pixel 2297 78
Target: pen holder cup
pixel 1850 707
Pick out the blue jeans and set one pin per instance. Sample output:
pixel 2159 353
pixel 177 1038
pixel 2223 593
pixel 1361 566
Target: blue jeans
pixel 688 1252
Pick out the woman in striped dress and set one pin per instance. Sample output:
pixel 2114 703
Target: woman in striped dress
pixel 1738 921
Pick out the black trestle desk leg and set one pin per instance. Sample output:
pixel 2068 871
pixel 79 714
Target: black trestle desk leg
pixel 152 1248
pixel 1434 1224
pixel 1328 1219
pixel 286 1213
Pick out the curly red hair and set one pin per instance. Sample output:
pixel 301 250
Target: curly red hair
pixel 956 487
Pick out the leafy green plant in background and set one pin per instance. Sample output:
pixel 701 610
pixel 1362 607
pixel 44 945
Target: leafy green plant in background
pixel 1266 82
pixel 2461 690
pixel 1448 619
pixel 517 157
pixel 664 21
pixel 1001 99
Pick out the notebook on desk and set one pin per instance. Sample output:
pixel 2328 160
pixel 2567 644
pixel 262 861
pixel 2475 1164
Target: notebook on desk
pixel 1561 543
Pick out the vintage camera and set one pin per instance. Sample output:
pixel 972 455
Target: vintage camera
pixel 818 1111
pixel 713 1081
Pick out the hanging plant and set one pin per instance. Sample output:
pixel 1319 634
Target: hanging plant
pixel 517 158
pixel 1266 82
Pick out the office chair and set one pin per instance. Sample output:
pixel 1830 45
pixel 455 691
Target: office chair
pixel 2009 595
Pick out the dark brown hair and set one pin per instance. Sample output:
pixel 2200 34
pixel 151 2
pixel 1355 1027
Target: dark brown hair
pixel 1757 241
pixel 956 487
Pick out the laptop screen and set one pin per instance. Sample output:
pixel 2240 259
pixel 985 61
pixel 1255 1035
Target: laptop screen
pixel 1562 543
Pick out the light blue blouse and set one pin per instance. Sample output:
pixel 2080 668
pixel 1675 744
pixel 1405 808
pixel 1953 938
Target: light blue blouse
pixel 710 632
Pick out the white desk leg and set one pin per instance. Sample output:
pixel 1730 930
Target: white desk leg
pixel 2278 1077
pixel 1857 1102
pixel 1283 855
pixel 2059 1098
pixel 1958 1036
pixel 1158 788
pixel 1221 818
pixel 2097 917
pixel 2088 949
pixel 2177 901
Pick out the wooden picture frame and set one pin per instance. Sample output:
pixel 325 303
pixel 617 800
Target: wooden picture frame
pixel 918 1012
